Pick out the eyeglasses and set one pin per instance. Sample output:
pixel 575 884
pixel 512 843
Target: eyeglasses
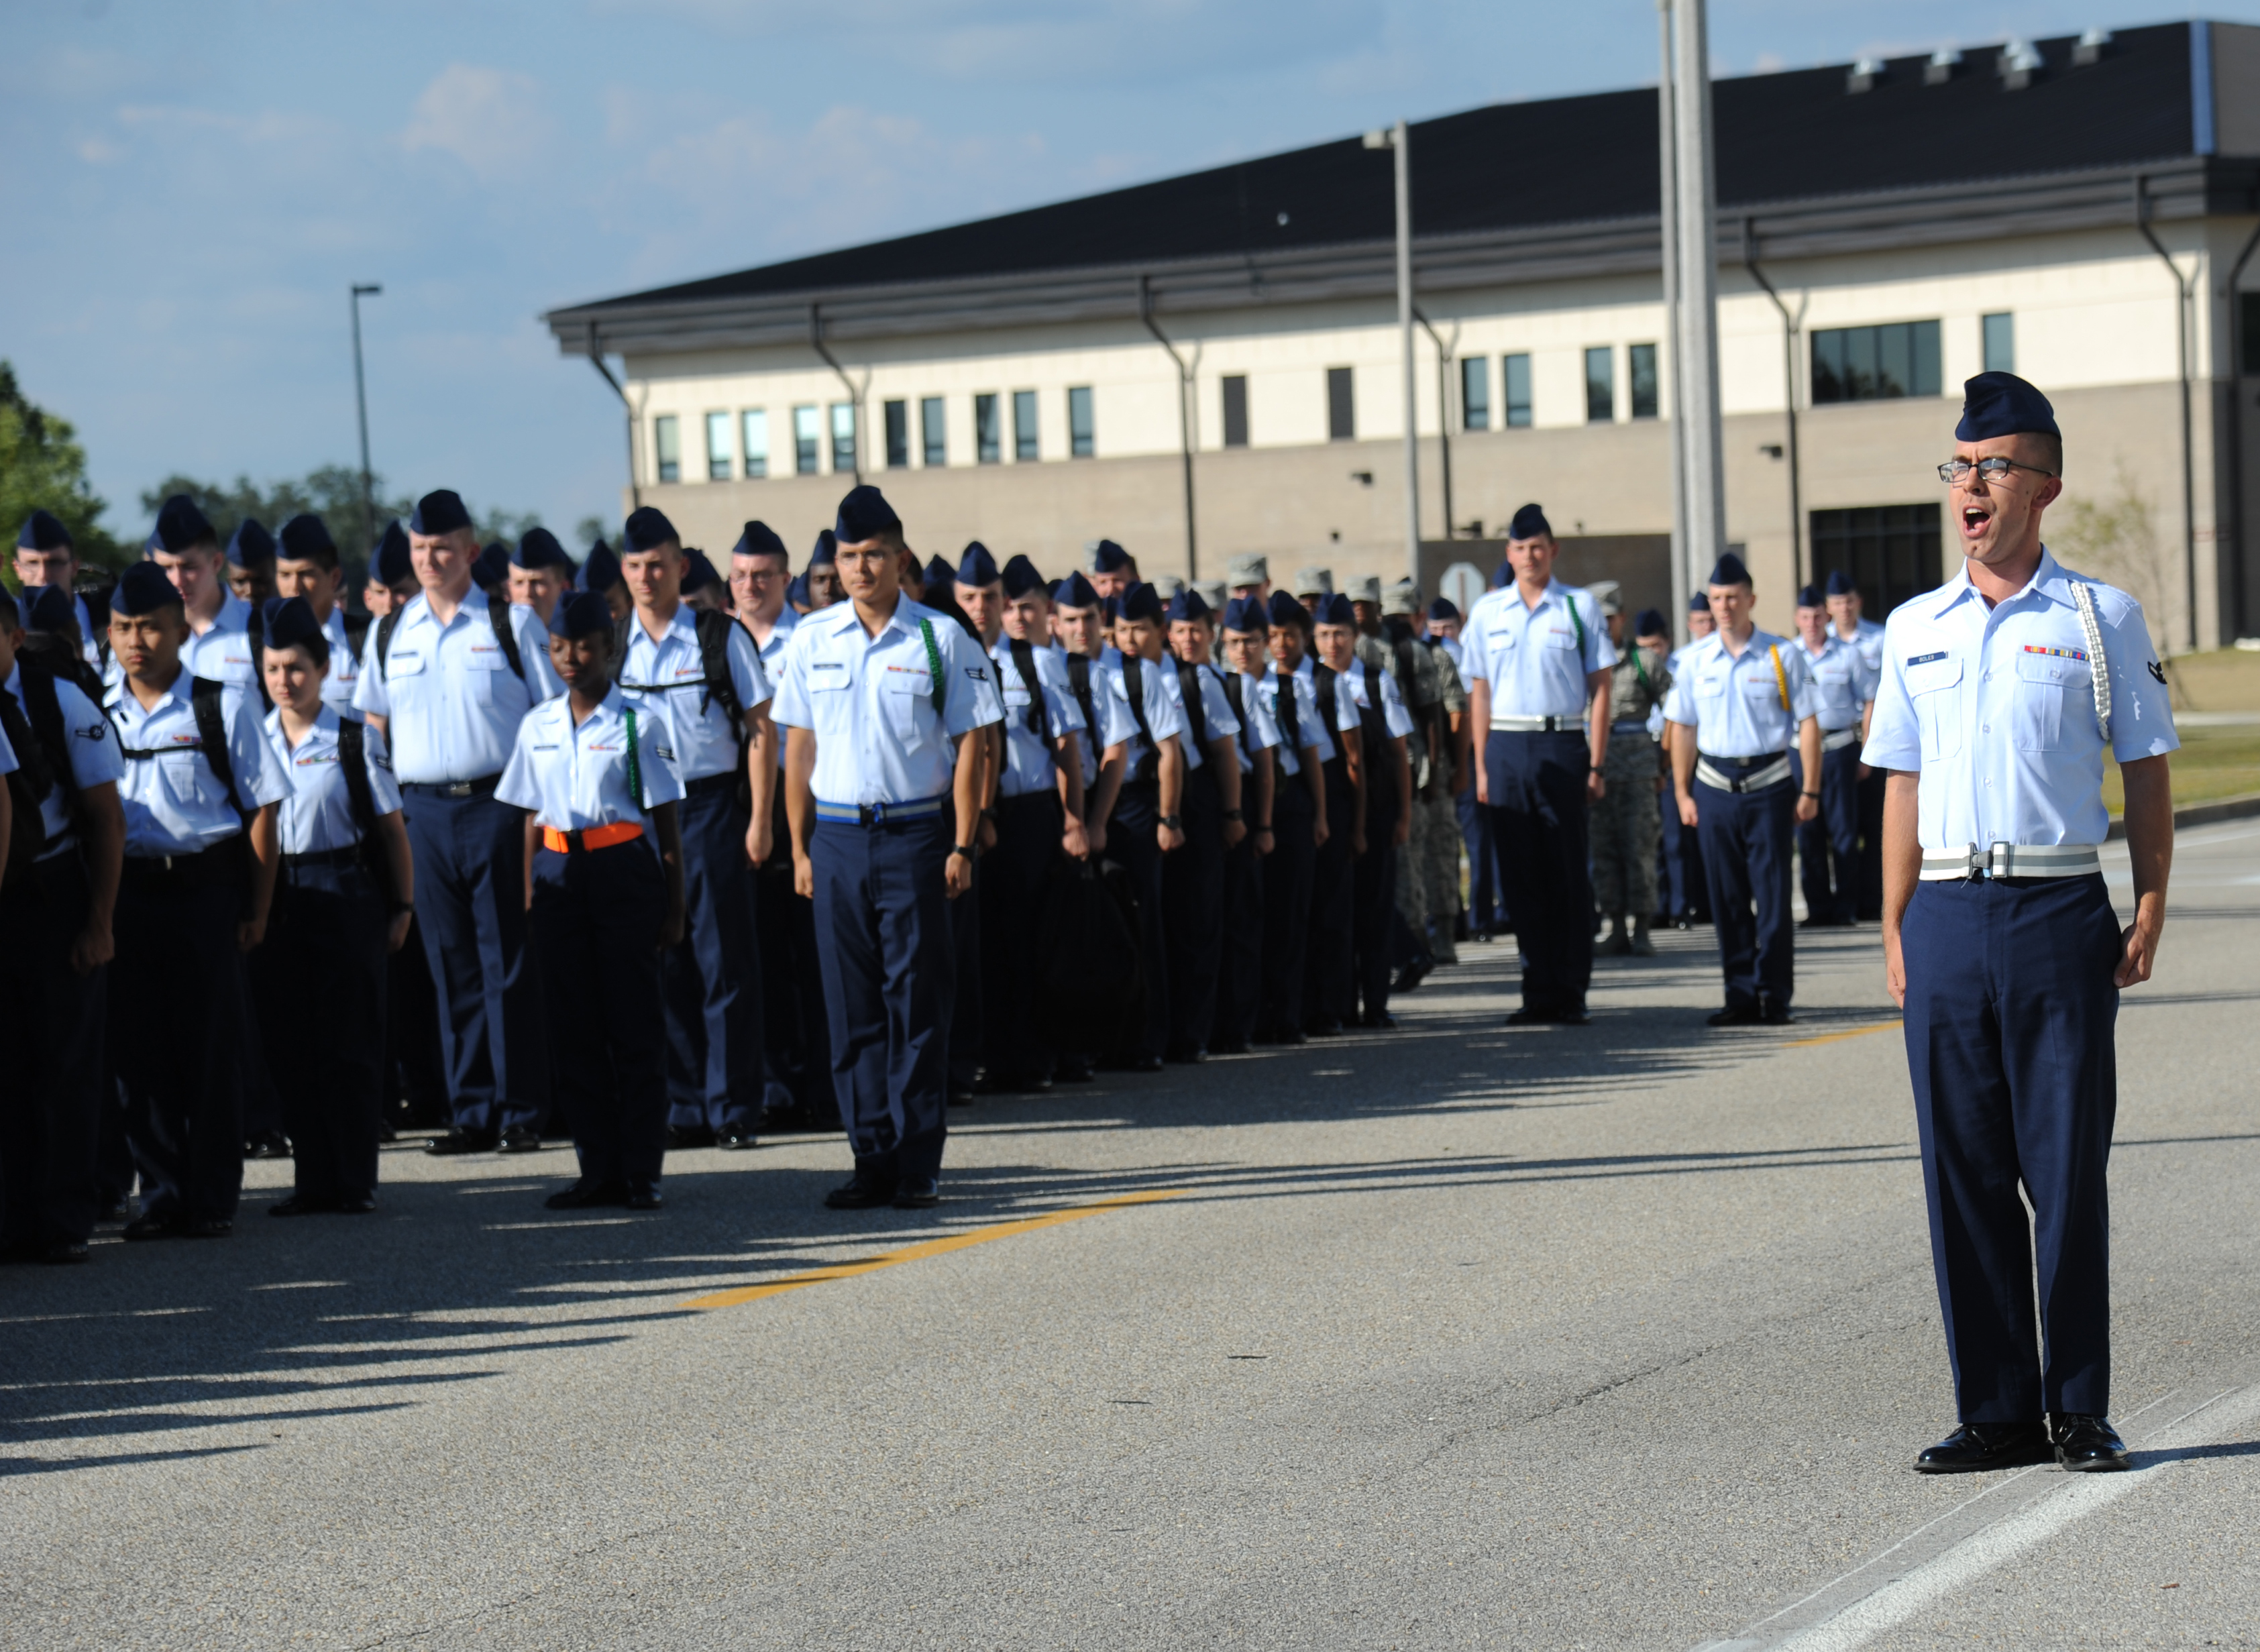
pixel 1955 472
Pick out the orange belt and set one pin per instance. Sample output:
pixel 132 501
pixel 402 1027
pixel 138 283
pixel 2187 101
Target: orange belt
pixel 594 838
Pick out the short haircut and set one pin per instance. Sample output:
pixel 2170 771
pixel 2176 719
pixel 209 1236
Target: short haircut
pixel 316 647
pixel 2050 446
pixel 320 554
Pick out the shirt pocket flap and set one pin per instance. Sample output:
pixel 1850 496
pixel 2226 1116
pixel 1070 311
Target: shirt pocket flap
pixel 484 656
pixel 1018 699
pixel 1560 637
pixel 2059 669
pixel 898 680
pixel 405 663
pixel 1932 675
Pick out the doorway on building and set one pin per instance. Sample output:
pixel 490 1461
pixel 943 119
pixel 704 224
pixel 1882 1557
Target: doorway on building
pixel 1892 552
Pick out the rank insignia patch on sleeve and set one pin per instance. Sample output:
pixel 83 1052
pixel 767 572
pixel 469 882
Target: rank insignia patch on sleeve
pixel 2158 670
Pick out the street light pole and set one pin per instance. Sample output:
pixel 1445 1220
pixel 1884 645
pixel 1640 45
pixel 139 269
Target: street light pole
pixel 1705 472
pixel 1665 116
pixel 360 403
pixel 1398 139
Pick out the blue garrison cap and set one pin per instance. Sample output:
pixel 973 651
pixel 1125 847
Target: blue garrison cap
pixel 759 540
pixel 600 569
pixel 1141 601
pixel 1020 577
pixel 1288 610
pixel 1809 596
pixel 1106 557
pixel 286 621
pixel 977 566
pixel 938 572
pixel 1649 623
pixel 1188 604
pixel 1333 608
pixel 697 572
pixel 582 613
pixel 1442 609
pixel 251 545
pixel 1699 603
pixel 42 531
pixel 826 543
pixel 389 561
pixel 1502 576
pixel 1729 571
pixel 1246 613
pixel 2003 405
pixel 647 527
pixel 492 567
pixel 1840 585
pixel 1110 610
pixel 305 537
pixel 1074 591
pixel 143 588
pixel 180 526
pixel 1529 522
pixel 864 514
pixel 48 608
pixel 439 511
pixel 540 549
pixel 795 593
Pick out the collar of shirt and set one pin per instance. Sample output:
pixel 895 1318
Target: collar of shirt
pixel 2050 584
pixel 788 621
pixel 174 697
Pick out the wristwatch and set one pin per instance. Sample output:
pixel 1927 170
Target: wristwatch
pixel 1808 794
pixel 1233 814
pixel 965 850
pixel 1175 822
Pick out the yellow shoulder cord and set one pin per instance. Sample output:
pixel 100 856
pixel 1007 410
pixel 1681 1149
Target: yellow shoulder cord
pixel 1780 678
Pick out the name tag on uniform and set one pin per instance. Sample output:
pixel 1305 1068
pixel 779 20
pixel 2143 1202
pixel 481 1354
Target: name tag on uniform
pixel 1020 697
pixel 406 662
pixel 485 656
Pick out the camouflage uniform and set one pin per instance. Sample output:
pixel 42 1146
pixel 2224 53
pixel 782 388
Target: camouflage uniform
pixel 1626 824
pixel 1433 683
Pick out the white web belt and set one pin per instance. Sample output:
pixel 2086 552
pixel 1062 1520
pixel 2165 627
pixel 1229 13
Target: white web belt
pixel 2012 860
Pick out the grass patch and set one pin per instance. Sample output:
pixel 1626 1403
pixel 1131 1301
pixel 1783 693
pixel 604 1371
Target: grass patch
pixel 2226 679
pixel 2211 764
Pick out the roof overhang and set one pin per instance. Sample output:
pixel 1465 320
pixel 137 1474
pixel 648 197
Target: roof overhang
pixel 1962 211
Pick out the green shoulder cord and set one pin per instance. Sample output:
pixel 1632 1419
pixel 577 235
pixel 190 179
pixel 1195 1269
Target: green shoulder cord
pixel 635 770
pixel 934 668
pixel 1641 671
pixel 1570 603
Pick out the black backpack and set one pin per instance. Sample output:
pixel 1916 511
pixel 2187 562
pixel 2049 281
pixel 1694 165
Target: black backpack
pixel 1148 767
pixel 719 687
pixel 40 759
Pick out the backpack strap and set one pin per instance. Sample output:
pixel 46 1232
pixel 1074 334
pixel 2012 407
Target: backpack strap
pixel 353 764
pixel 206 702
pixel 1322 693
pixel 1196 708
pixel 1134 680
pixel 1237 697
pixel 40 753
pixel 28 783
pixel 635 766
pixel 1024 662
pixel 356 629
pixel 505 632
pixel 385 627
pixel 1078 680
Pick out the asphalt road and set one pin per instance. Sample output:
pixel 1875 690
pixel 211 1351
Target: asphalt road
pixel 1619 1337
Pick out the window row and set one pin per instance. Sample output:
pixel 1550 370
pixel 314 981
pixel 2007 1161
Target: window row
pixel 739 445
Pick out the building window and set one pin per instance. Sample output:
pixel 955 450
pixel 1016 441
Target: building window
pixel 988 441
pixel 1600 385
pixel 934 429
pixel 843 436
pixel 1082 431
pixel 1891 551
pixel 1872 364
pixel 1342 406
pixel 806 430
pixel 718 446
pixel 755 427
pixel 2000 343
pixel 1025 445
pixel 1475 393
pixel 1235 411
pixel 1516 370
pixel 667 444
pixel 898 435
pixel 1641 359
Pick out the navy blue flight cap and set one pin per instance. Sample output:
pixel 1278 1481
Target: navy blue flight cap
pixel 1107 557
pixel 864 514
pixel 540 549
pixel 1074 591
pixel 758 538
pixel 1840 585
pixel 697 572
pixel 143 588
pixel 1110 610
pixel 391 560
pixel 1442 609
pixel 826 543
pixel 1333 608
pixel 1503 576
pixel 796 592
pixel 600 571
pixel 977 566
pixel 48 609
pixel 1699 603
pixel 1188 604
pixel 1649 623
pixel 492 567
pixel 1529 522
pixel 42 531
pixel 938 572
pixel 180 526
pixel 581 613
pixel 1729 571
pixel 1809 596
pixel 305 537
pixel 1141 601
pixel 1245 613
pixel 251 545
pixel 1020 577
pixel 648 528
pixel 2003 405
pixel 1287 610
pixel 439 511
pixel 286 621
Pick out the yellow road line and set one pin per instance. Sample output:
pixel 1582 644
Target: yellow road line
pixel 1857 1031
pixel 929 1248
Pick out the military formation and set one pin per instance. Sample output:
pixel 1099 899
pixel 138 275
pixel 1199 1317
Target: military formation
pixel 651 855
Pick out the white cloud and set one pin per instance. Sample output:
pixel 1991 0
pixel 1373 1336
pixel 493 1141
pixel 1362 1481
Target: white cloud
pixel 490 120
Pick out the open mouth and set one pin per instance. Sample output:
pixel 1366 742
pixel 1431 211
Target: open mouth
pixel 1975 519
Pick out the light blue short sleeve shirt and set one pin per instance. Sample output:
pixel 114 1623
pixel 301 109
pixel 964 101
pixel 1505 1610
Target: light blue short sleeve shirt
pixel 1537 661
pixel 1049 701
pixel 318 815
pixel 1842 683
pixel 1735 702
pixel 94 757
pixel 666 681
pixel 1300 713
pixel 573 777
pixel 451 701
pixel 224 653
pixel 173 801
pixel 345 666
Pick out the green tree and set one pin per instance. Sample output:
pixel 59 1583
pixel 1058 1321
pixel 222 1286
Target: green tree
pixel 42 466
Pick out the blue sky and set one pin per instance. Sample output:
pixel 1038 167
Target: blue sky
pixel 192 187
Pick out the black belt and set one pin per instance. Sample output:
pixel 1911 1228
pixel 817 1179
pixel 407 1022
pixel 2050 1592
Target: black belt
pixel 221 863
pixel 707 785
pixel 350 856
pixel 482 787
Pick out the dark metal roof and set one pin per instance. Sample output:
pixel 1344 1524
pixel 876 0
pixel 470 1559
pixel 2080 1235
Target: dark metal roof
pixel 1514 191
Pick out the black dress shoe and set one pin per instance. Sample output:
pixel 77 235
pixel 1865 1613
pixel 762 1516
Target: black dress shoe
pixel 1734 1015
pixel 682 1138
pixel 1192 1057
pixel 1324 1027
pixel 1413 973
pixel 1977 1447
pixel 1379 1021
pixel 1143 1064
pixel 918 1193
pixel 1776 1015
pixel 860 1192
pixel 460 1140
pixel 62 1253
pixel 1066 1072
pixel 737 1141
pixel 2088 1444
pixel 356 1205
pixel 1570 1018
pixel 267 1144
pixel 207 1228
pixel 643 1194
pixel 301 1205
pixel 1229 1047
pixel 1529 1015
pixel 588 1194
pixel 520 1138
pixel 150 1226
